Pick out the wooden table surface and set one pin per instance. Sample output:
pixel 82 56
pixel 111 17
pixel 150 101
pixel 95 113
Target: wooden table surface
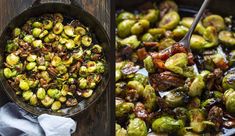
pixel 96 120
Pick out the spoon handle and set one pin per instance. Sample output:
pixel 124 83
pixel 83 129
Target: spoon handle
pixel 186 40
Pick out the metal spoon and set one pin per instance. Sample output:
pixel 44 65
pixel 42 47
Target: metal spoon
pixel 186 40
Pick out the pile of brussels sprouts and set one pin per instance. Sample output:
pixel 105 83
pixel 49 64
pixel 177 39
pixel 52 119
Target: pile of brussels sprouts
pixel 174 99
pixel 53 64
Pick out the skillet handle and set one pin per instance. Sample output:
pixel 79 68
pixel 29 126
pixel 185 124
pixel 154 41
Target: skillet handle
pixel 71 2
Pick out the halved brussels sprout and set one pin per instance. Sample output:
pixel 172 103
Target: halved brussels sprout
pixel 12 59
pixel 229 98
pixel 56 105
pixel 58 28
pixel 69 30
pixel 152 15
pixel 124 16
pixel 124 28
pixel 229 81
pixel 216 21
pixel 196 117
pixel 47 101
pixel 140 27
pixel 41 93
pixel 123 108
pixel 166 42
pixel 137 86
pixel 196 86
pixel 36 32
pixel 187 22
pixel 174 98
pixel 24 85
pixel 170 20
pixel 148 64
pixel 131 41
pixel 8 73
pixel 227 38
pixel 167 124
pixel 47 24
pixel 150 98
pixel 27 95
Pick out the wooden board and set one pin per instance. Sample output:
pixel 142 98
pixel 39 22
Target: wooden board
pixel 96 120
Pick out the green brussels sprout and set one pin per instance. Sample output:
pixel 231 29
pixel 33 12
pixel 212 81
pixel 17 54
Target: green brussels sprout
pixel 139 27
pixel 16 32
pixel 197 42
pixel 12 59
pixel 140 78
pixel 33 100
pixel 137 86
pixel 47 24
pixel 91 66
pixel 147 37
pixel 24 85
pixel 196 86
pixel 124 28
pixel 157 32
pixel 187 22
pixel 27 95
pixel 11 47
pixel 123 108
pixel 83 83
pixel 152 15
pixel 87 93
pixel 97 49
pixel 37 44
pixel 28 38
pixel 70 44
pixel 36 32
pixel 124 16
pixel 56 61
pixel 118 75
pixel 167 124
pixel 150 98
pixel 227 38
pixel 69 30
pixel 178 64
pixel 31 58
pixel 58 17
pixel 83 71
pixel 229 81
pixel 45 75
pixel 211 35
pixel 216 21
pixel 62 99
pixel 41 93
pixel 47 101
pixel 174 98
pixel 229 100
pixel 37 24
pixel 137 127
pixel 170 20
pixel 56 106
pixel 181 113
pixel 120 131
pixel 8 73
pixel 148 64
pixel 43 34
pixel 131 41
pixel 58 28
pixel 120 87
pixel 31 65
pixel 62 69
pixel 166 42
pixel 168 5
pixel 54 93
pixel 196 117
pixel 86 40
pixel 80 31
pixel 180 31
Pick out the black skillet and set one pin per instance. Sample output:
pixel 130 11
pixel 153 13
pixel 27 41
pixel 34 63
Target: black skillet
pixel 187 8
pixel 71 11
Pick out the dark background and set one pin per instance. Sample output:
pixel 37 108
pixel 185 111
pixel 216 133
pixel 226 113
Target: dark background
pixel 96 120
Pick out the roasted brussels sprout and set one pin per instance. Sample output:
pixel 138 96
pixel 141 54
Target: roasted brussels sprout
pixel 139 27
pixel 131 41
pixel 227 38
pixel 197 116
pixel 229 81
pixel 137 127
pixel 137 86
pixel 120 131
pixel 174 98
pixel 166 124
pixel 187 22
pixel 124 16
pixel 148 64
pixel 197 86
pixel 123 108
pixel 150 98
pixel 124 28
pixel 229 100
pixel 214 20
pixel 178 64
pixel 170 20
pixel 152 15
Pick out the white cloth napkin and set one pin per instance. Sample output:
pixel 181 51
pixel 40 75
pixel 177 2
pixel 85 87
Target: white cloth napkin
pixel 14 121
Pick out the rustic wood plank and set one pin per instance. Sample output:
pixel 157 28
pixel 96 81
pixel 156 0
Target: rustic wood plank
pixel 95 121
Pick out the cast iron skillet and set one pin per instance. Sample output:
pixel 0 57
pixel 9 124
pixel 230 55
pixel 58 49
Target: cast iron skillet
pixel 188 8
pixel 72 10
